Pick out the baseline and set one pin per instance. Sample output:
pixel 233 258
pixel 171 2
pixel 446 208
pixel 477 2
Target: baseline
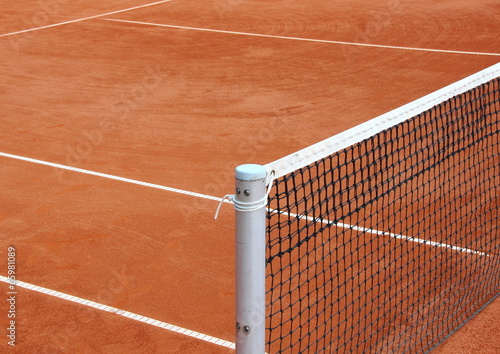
pixel 116 311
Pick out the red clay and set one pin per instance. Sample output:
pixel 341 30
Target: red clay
pixel 480 335
pixel 182 108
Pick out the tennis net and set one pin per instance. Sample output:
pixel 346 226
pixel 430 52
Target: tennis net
pixel 384 238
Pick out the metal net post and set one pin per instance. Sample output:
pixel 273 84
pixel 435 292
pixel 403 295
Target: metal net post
pixel 250 204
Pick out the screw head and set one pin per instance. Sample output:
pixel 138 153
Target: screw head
pixel 238 191
pixel 246 329
pixel 238 326
pixel 246 192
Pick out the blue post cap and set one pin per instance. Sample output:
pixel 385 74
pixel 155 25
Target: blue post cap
pixel 250 172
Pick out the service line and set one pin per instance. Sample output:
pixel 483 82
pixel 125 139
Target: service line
pixel 83 19
pixel 221 200
pixel 301 39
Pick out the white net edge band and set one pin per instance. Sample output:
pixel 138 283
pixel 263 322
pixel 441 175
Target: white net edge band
pixel 365 130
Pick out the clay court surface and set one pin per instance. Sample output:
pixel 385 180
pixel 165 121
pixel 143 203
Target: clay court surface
pixel 176 94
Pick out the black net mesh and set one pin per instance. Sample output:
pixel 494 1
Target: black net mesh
pixel 392 244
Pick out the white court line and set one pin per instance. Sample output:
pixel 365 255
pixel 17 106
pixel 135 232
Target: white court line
pixel 205 196
pixel 382 233
pixel 84 19
pixel 105 175
pixel 303 39
pixel 114 310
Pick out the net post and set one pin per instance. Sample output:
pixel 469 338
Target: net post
pixel 250 203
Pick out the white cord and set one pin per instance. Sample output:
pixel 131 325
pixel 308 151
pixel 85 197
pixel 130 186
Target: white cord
pixel 230 199
pixel 248 207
